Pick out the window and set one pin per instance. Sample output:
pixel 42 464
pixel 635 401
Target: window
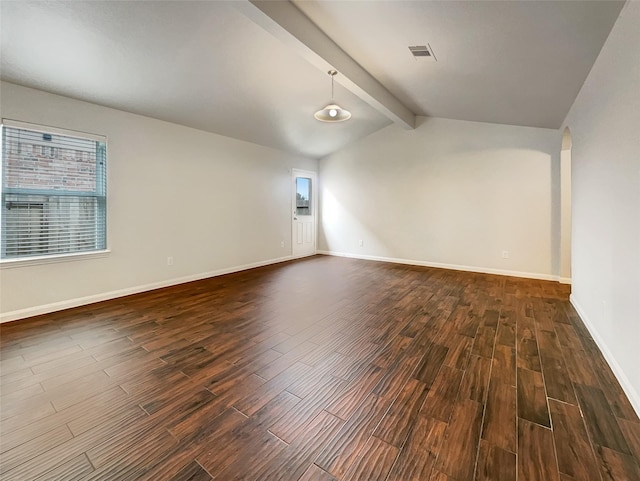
pixel 53 192
pixel 303 196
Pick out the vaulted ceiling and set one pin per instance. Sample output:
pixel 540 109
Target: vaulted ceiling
pixel 257 71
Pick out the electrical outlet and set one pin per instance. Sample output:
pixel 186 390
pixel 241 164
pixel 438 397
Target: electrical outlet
pixel 281 243
pixel 170 260
pixel 360 243
pixel 505 254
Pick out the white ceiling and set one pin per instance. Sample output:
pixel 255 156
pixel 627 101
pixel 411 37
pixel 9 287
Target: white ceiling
pixel 209 66
pixel 506 62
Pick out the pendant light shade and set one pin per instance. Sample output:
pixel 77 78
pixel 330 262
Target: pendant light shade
pixel 332 112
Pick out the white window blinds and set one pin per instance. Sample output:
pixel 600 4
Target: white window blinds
pixel 53 192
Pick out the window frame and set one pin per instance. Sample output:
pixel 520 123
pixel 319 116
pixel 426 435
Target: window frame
pixel 66 256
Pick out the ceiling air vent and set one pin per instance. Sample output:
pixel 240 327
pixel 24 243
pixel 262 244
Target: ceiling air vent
pixel 422 52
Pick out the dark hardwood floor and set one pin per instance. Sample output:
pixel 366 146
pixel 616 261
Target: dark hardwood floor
pixel 320 369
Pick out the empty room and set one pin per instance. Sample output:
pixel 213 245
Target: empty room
pixel 313 240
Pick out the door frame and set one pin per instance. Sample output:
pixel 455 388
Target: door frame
pixel 314 206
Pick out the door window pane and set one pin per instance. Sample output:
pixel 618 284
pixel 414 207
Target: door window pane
pixel 303 196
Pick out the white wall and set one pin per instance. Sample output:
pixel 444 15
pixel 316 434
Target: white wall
pixel 212 202
pixel 450 193
pixel 605 155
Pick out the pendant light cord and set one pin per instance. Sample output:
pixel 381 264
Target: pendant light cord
pixel 331 88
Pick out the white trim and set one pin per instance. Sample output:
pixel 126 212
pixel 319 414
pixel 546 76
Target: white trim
pixel 53 130
pixel 105 296
pixel 627 386
pixel 455 267
pixel 314 253
pixel 36 261
pixel 564 280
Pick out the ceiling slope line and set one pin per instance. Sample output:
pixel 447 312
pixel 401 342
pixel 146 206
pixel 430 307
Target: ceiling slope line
pixel 286 22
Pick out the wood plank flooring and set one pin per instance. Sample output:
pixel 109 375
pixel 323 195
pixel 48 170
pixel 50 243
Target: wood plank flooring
pixel 316 370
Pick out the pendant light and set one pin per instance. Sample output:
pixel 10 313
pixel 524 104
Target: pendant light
pixel 332 112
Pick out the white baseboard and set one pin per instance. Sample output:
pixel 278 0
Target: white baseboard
pixel 105 296
pixel 564 280
pixel 455 267
pixel 627 386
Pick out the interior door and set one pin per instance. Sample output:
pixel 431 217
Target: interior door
pixel 304 217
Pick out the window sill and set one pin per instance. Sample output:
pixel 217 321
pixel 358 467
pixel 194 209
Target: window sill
pixel 35 261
